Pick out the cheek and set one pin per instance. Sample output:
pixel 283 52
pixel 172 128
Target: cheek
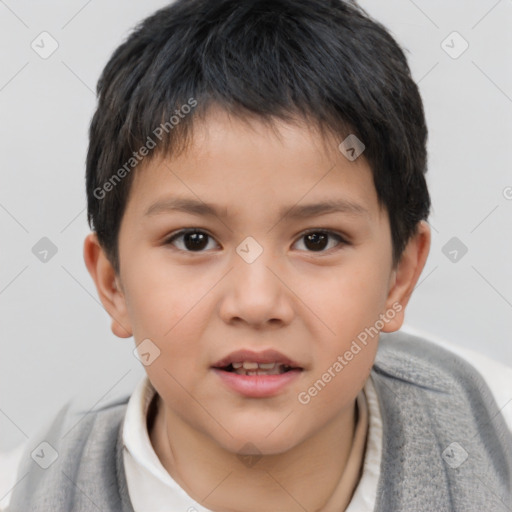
pixel 164 307
pixel 348 303
pixel 156 300
pixel 348 300
pixel 332 392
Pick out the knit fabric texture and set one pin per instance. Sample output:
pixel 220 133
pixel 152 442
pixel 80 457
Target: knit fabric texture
pixel 446 447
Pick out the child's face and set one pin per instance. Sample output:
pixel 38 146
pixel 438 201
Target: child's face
pixel 200 302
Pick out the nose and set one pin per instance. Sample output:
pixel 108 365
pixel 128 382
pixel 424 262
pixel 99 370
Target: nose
pixel 257 293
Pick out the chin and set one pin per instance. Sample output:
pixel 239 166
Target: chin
pixel 257 441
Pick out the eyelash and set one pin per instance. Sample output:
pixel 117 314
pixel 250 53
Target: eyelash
pixel 342 241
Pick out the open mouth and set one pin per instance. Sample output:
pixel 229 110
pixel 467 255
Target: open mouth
pixel 258 368
pixel 272 374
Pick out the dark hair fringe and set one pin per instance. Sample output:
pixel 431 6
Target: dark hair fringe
pixel 326 62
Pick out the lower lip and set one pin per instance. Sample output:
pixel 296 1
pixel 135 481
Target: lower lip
pixel 257 386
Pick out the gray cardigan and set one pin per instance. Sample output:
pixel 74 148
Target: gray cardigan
pixel 446 446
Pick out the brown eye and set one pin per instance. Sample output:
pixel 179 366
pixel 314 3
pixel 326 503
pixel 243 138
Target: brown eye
pixel 193 240
pixel 318 241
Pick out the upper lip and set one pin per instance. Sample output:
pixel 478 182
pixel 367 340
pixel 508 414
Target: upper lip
pixel 266 356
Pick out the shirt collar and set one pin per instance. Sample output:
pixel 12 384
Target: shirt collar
pixel 138 444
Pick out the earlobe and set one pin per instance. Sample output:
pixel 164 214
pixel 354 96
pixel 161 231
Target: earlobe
pixel 406 275
pixel 108 286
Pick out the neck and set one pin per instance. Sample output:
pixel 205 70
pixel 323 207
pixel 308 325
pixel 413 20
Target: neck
pixel 302 478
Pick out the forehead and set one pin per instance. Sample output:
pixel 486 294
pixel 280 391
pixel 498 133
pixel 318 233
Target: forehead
pixel 234 164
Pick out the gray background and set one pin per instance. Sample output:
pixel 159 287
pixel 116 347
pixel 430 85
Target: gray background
pixel 55 336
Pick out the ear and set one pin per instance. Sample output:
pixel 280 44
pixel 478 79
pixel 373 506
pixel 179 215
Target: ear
pixel 108 285
pixel 406 274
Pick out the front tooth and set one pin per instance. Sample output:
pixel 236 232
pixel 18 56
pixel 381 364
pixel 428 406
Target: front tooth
pixel 267 366
pixel 250 366
pixel 237 365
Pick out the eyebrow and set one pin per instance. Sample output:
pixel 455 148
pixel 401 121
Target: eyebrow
pixel 294 211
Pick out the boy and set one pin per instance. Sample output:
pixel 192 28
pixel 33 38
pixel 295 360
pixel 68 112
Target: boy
pixel 256 190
